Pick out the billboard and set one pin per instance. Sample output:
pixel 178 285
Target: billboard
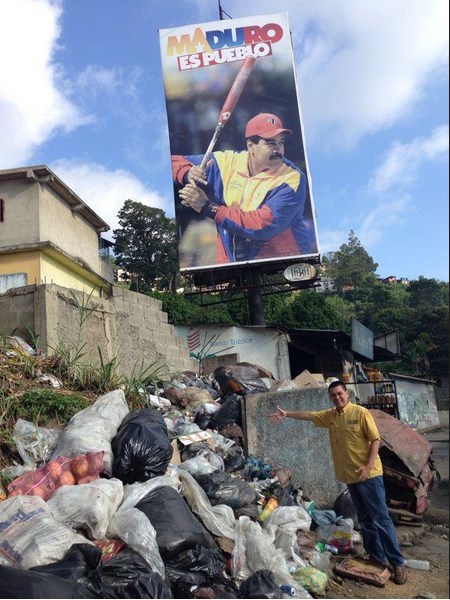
pixel 241 180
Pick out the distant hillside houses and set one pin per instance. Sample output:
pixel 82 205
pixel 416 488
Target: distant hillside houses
pixel 327 285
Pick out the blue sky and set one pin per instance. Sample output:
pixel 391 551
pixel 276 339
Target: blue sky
pixel 81 91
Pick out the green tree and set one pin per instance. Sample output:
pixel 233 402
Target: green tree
pixel 351 265
pixel 145 246
pixel 182 310
pixel 307 310
pixel 428 314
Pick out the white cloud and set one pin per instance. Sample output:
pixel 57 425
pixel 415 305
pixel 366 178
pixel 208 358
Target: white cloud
pixel 105 191
pixel 400 165
pixel 381 218
pixel 362 65
pixel 369 229
pixel 32 106
pixel 332 239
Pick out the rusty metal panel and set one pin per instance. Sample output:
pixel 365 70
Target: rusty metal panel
pixel 409 445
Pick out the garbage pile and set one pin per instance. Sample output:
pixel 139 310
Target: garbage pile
pixel 162 502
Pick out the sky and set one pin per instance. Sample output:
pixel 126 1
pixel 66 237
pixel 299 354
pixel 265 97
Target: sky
pixel 81 91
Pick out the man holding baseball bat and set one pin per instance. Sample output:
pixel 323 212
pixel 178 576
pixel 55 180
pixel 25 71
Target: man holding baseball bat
pixel 256 197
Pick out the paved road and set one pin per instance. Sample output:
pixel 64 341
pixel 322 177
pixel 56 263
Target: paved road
pixel 438 511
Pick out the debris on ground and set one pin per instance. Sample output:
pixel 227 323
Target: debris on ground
pixel 162 502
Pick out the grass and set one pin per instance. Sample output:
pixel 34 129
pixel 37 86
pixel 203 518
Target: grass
pixel 22 395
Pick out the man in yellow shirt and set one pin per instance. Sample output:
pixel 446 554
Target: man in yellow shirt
pixel 355 442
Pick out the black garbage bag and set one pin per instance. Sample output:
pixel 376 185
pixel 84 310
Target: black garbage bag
pixel 19 583
pixel 80 564
pixel 234 459
pixel 128 575
pixel 343 506
pixel 193 449
pixel 182 582
pixel 229 412
pixel 223 488
pixel 182 540
pixel 141 447
pixel 193 585
pixel 261 584
pixel 198 558
pixel 202 420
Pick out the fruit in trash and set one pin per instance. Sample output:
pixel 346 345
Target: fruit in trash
pixel 54 469
pixel 67 479
pixel 80 466
pixel 38 490
pixel 95 461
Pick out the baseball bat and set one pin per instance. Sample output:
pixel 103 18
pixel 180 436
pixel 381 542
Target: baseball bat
pixel 230 104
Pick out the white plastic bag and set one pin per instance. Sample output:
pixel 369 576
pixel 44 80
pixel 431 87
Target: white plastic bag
pixel 34 444
pixel 89 506
pixel 203 463
pixel 134 528
pixel 254 550
pixel 30 535
pixel 284 523
pixel 93 428
pixel 218 519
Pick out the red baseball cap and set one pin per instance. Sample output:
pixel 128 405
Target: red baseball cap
pixel 265 125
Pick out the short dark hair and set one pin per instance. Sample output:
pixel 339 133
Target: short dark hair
pixel 337 383
pixel 254 138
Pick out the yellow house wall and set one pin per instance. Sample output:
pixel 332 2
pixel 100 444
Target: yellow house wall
pixel 23 262
pixel 21 224
pixel 53 271
pixel 67 230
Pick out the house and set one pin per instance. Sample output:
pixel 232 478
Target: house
pixel 49 235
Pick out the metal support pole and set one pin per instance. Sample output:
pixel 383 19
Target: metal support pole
pixel 255 298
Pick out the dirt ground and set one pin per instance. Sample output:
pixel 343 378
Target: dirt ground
pixel 429 541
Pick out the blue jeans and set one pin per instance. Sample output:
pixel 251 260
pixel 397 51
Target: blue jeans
pixel 377 529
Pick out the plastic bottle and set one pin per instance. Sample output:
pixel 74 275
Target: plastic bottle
pixel 421 565
pixel 271 504
pixel 319 560
pixel 288 589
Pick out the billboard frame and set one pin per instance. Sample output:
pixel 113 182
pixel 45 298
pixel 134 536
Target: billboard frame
pixel 217 272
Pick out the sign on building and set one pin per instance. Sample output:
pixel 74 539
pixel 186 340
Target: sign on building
pixel 362 339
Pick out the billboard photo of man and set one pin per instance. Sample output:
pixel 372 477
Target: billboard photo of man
pixel 248 200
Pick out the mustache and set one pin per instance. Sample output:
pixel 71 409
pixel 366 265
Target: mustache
pixel 275 155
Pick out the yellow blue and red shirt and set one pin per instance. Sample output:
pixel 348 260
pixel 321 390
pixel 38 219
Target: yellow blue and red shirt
pixel 257 217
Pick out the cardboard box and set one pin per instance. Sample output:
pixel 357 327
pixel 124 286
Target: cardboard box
pixel 306 380
pixel 176 458
pixel 320 380
pixel 198 436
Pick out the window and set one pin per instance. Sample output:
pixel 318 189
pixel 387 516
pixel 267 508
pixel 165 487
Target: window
pixel 2 210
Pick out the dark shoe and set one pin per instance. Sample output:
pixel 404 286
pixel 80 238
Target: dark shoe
pixel 399 575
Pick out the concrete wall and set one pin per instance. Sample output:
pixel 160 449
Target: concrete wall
pixel 263 346
pixel 128 326
pixel 297 445
pixel 443 418
pixel 21 224
pixel 67 229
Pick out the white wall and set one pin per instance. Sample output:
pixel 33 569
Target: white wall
pixel 262 346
